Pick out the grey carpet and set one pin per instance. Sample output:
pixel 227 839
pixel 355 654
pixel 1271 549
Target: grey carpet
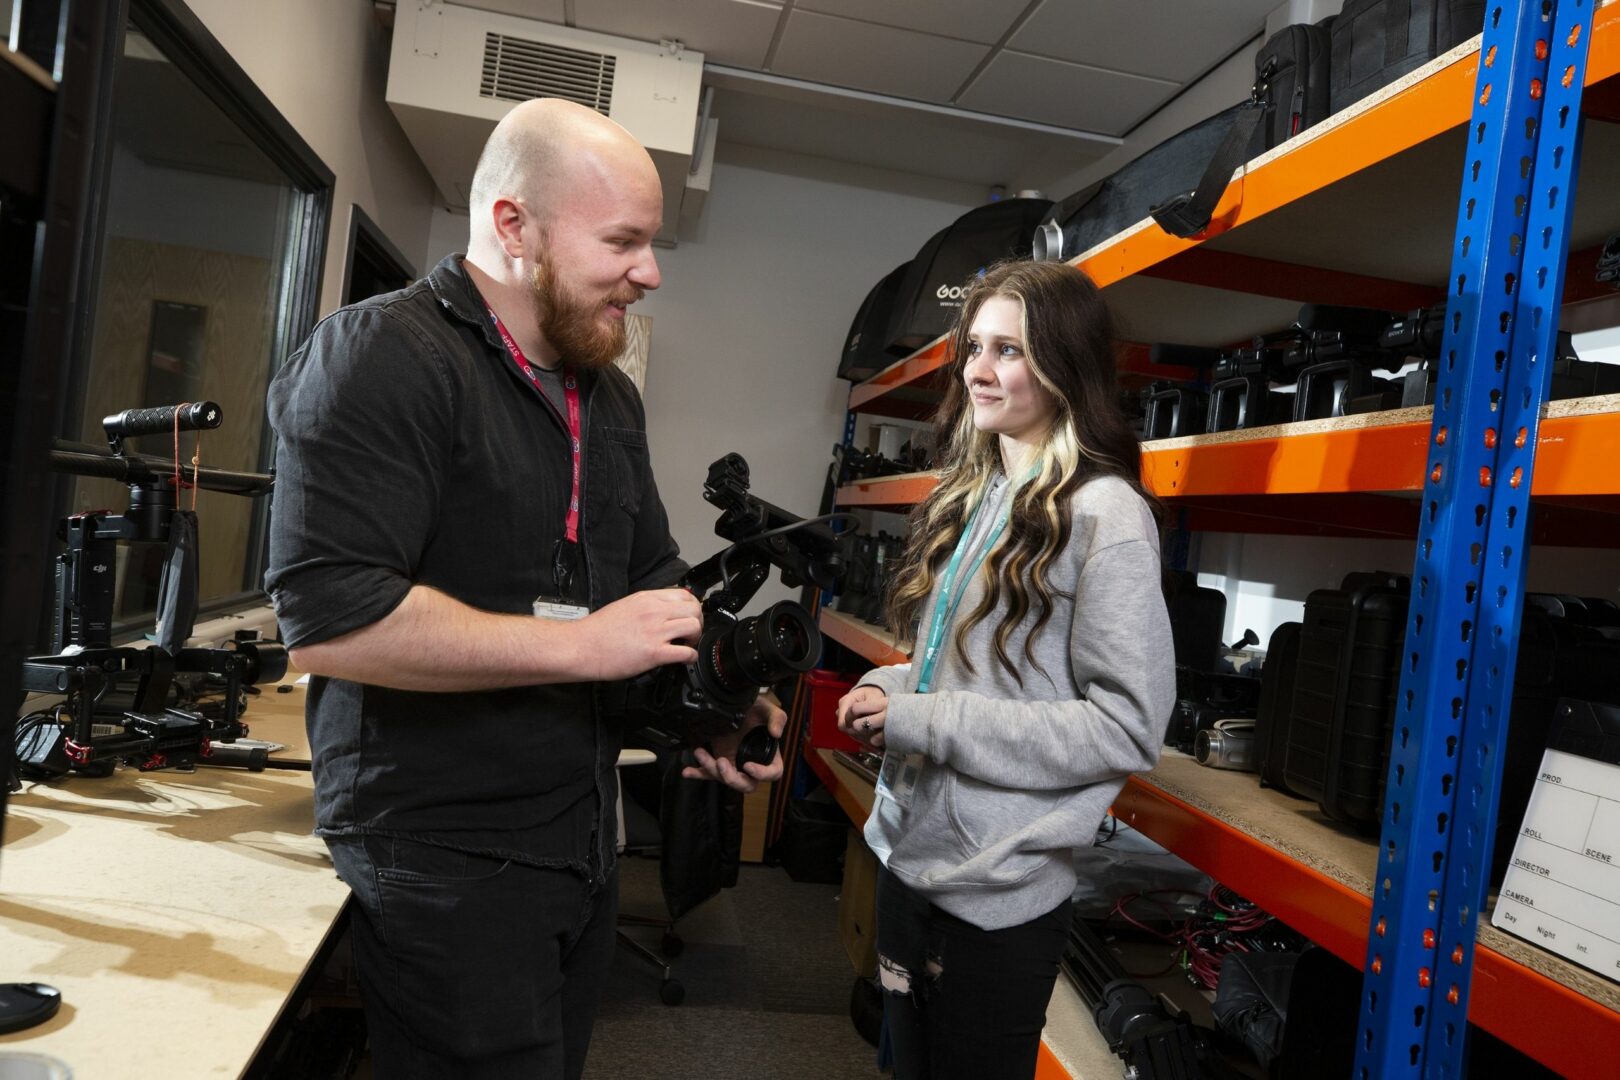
pixel 767 988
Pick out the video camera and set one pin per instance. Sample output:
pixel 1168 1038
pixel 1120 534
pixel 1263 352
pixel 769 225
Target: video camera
pixel 166 705
pixel 739 657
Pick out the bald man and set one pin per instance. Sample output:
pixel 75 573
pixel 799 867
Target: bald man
pixel 467 551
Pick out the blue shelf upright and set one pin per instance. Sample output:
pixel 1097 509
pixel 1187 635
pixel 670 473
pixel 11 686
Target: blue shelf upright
pixel 1462 631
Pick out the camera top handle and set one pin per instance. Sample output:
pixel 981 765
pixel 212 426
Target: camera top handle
pixel 762 535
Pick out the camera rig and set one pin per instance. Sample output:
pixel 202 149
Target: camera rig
pixel 165 705
pixel 738 657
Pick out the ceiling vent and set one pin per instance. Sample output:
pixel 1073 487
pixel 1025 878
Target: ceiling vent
pixel 517 69
pixel 454 71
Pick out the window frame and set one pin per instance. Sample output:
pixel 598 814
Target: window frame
pixel 174 29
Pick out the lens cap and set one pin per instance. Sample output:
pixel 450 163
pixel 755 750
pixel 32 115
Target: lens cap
pixel 22 1005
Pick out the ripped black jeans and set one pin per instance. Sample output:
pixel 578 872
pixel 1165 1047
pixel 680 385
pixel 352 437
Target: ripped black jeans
pixel 960 1001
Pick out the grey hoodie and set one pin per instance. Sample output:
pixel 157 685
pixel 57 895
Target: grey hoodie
pixel 1015 778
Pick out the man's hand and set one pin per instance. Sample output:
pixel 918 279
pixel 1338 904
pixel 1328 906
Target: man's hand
pixel 861 714
pixel 643 631
pixel 720 766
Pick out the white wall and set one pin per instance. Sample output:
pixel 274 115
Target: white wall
pixel 324 65
pixel 750 321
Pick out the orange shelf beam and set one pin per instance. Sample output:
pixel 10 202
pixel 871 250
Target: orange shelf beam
pixel 924 361
pixel 1575 456
pixel 872 642
pixel 900 491
pixel 1552 1023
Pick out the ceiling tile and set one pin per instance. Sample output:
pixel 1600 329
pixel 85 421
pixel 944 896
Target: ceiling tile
pixel 1167 39
pixel 955 147
pixel 1068 95
pixel 550 11
pixel 735 32
pixel 971 20
pixel 904 63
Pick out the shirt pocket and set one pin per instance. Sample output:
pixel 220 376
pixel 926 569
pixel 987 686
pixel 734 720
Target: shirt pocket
pixel 628 466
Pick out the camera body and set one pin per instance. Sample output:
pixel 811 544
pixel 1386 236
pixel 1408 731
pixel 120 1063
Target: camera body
pixel 739 656
pixel 1229 744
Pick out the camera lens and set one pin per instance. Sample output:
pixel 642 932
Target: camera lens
pixel 759 650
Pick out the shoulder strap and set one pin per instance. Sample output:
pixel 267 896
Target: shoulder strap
pixel 1188 214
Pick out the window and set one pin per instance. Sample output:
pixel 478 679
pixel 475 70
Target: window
pixel 202 275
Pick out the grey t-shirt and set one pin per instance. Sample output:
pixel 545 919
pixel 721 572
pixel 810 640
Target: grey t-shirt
pixel 551 384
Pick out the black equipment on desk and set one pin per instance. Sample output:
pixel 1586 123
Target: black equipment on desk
pixel 738 657
pixel 162 706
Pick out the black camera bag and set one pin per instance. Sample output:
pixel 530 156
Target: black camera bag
pixel 929 294
pixel 864 354
pixel 1098 211
pixel 1375 42
pixel 1291 75
pixel 1344 695
pixel 1272 718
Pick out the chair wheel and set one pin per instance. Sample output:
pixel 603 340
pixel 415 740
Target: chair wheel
pixel 672 992
pixel 671 944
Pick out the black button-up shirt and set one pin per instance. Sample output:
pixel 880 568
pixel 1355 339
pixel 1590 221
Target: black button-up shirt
pixel 413 451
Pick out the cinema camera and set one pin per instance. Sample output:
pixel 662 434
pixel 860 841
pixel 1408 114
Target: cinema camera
pixel 739 657
pixel 162 706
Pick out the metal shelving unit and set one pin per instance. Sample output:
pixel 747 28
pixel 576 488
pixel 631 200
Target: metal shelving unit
pixel 1458 478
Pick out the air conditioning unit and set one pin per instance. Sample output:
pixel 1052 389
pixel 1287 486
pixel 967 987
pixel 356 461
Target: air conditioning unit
pixel 455 71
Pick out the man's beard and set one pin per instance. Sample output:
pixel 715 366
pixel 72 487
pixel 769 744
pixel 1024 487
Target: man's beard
pixel 569 322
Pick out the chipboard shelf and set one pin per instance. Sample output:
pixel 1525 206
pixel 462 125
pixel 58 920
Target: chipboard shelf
pixel 1359 210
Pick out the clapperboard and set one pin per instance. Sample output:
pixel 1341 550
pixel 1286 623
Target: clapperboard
pixel 1562 890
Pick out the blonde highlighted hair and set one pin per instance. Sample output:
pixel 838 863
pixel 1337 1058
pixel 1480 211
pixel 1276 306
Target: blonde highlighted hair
pixel 1069 349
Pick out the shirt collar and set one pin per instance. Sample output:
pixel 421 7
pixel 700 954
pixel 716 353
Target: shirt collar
pixel 454 289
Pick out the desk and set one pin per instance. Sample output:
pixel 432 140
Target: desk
pixel 174 957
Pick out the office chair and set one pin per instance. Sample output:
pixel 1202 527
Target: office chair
pixel 639 833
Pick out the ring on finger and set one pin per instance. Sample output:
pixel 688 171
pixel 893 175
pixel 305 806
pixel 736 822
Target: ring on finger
pixel 866 725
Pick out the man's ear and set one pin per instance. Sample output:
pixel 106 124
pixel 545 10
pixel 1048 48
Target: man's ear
pixel 508 218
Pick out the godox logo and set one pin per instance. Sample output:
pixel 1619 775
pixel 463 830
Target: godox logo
pixel 951 292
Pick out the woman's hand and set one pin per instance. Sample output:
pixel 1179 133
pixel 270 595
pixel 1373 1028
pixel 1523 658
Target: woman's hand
pixel 861 714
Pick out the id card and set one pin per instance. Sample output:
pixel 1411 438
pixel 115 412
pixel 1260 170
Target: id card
pixel 559 610
pixel 897 779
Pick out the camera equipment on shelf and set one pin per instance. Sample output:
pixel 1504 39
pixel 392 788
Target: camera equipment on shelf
pixel 162 706
pixel 739 657
pixel 1228 744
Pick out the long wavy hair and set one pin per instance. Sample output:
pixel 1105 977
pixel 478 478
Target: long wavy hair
pixel 1069 348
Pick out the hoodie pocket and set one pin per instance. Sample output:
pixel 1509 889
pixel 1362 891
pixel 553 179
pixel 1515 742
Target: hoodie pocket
pixel 984 815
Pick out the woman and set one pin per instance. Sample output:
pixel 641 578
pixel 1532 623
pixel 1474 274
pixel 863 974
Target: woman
pixel 1043 675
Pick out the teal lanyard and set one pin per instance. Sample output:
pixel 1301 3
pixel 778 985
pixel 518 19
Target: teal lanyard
pixel 949 596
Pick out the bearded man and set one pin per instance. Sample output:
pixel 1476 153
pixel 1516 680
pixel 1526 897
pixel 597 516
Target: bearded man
pixel 467 549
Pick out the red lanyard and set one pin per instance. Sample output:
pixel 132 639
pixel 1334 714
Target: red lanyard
pixel 571 397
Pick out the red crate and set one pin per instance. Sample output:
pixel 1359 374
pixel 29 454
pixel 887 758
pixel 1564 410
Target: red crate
pixel 826 687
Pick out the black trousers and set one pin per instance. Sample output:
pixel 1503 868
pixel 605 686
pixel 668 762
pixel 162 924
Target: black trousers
pixel 473 967
pixel 960 1001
